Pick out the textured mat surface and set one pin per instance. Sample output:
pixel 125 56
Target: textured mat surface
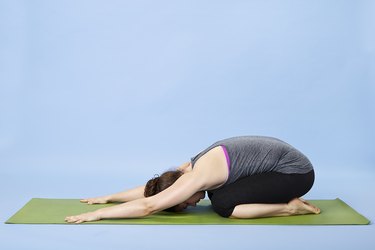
pixel 53 211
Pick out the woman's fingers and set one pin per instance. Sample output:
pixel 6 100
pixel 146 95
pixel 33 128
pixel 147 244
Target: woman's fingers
pixel 73 219
pixel 69 219
pixel 92 216
pixel 88 201
pixel 91 201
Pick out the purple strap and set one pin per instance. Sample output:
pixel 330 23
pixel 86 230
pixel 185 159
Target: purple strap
pixel 226 156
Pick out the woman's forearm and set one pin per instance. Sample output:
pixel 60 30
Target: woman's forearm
pixel 133 209
pixel 128 195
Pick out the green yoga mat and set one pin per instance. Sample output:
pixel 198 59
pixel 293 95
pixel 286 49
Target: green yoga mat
pixel 53 211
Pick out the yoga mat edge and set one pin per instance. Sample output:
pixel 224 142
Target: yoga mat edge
pixel 53 211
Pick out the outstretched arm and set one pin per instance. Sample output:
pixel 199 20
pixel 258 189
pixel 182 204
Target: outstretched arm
pixel 186 186
pixel 125 196
pixel 132 209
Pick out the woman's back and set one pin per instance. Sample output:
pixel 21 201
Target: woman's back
pixel 249 155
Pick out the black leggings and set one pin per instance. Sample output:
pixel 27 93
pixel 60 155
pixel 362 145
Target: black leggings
pixel 271 187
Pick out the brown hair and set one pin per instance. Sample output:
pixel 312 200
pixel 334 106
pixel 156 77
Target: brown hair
pixel 159 183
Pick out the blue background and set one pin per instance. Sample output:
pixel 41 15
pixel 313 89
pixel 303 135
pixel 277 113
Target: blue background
pixel 98 96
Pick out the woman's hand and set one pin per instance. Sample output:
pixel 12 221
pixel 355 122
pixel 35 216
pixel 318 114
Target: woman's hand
pixel 92 216
pixel 97 200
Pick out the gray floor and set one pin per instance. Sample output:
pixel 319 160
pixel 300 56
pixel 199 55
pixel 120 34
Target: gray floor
pixel 19 184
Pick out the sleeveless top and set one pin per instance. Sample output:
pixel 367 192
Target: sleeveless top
pixel 250 155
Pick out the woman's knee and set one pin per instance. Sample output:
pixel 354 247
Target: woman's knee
pixel 223 211
pixel 221 206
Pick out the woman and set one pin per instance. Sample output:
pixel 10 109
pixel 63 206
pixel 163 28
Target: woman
pixel 245 177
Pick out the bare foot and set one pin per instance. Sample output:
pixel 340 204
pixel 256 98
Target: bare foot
pixel 300 206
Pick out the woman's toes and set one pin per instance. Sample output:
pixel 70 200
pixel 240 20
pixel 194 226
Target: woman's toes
pixel 310 206
pixel 300 206
pixel 317 210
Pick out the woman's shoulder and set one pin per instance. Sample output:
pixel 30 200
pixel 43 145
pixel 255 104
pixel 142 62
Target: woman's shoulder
pixel 212 168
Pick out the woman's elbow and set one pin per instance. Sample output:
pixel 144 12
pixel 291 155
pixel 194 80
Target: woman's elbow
pixel 150 207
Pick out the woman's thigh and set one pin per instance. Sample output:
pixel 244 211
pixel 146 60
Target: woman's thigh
pixel 271 187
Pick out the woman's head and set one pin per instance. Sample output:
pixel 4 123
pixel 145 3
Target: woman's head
pixel 159 183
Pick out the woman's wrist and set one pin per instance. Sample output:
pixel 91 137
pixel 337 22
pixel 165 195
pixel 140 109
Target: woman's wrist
pixel 99 214
pixel 109 198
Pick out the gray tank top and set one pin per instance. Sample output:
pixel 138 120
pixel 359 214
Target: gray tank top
pixel 249 155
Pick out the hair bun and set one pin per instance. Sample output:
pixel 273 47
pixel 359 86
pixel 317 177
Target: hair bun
pixel 152 186
pixel 159 183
